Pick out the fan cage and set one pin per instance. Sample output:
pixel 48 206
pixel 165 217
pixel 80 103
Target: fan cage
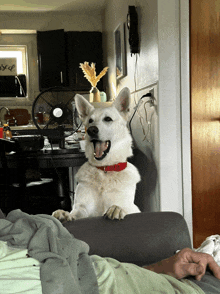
pixel 44 108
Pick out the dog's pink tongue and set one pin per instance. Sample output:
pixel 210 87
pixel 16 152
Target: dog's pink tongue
pixel 100 147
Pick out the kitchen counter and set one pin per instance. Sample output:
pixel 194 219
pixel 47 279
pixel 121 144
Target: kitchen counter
pixel 23 127
pixel 47 159
pixel 33 130
pixel 24 130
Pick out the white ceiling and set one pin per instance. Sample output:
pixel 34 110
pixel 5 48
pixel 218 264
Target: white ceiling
pixel 51 5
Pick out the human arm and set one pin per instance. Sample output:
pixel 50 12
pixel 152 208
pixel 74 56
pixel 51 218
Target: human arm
pixel 186 263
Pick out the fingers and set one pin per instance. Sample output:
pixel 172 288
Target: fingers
pixel 197 263
pixel 193 269
pixel 199 260
pixel 206 260
pixel 213 266
pixel 187 263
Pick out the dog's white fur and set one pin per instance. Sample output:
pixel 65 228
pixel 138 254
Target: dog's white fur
pixel 99 193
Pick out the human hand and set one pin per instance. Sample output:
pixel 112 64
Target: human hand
pixel 186 263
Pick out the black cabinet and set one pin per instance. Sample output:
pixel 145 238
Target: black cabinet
pixel 51 59
pixel 60 54
pixel 81 47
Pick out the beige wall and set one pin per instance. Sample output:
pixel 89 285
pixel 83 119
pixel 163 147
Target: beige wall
pixel 51 21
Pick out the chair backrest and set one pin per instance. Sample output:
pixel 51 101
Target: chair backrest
pixel 2 216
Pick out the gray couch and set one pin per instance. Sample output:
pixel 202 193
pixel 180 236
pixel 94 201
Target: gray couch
pixel 141 238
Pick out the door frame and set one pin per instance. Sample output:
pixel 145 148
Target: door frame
pixel 174 108
pixel 186 111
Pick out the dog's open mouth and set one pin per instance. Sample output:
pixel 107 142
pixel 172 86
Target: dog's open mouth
pixel 101 149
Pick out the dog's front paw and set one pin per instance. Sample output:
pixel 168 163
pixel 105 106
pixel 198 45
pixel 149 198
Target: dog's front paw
pixel 115 212
pixel 62 215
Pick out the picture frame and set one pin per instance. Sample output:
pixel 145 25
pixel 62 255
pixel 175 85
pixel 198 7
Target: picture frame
pixel 120 51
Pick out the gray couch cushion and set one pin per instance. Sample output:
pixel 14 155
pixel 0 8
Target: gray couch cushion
pixel 141 238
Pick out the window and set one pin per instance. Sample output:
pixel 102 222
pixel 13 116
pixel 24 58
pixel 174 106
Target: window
pixel 15 52
pixel 13 71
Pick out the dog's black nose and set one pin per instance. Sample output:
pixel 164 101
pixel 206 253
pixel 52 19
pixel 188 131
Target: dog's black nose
pixel 92 131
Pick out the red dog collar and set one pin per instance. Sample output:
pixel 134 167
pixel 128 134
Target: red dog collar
pixel 116 167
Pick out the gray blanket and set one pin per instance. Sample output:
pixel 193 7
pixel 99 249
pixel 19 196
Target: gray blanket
pixel 66 266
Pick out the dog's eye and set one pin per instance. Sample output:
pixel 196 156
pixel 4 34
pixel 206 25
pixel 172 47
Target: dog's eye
pixel 90 120
pixel 107 118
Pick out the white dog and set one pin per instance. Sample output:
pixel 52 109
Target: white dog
pixel 107 182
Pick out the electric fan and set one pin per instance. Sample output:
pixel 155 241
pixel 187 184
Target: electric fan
pixel 54 114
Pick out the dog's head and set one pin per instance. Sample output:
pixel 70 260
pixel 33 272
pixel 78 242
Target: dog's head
pixel 107 139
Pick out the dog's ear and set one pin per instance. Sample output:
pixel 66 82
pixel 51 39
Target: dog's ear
pixel 122 102
pixel 83 107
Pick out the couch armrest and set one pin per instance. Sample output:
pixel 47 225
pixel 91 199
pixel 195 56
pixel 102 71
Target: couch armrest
pixel 141 238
